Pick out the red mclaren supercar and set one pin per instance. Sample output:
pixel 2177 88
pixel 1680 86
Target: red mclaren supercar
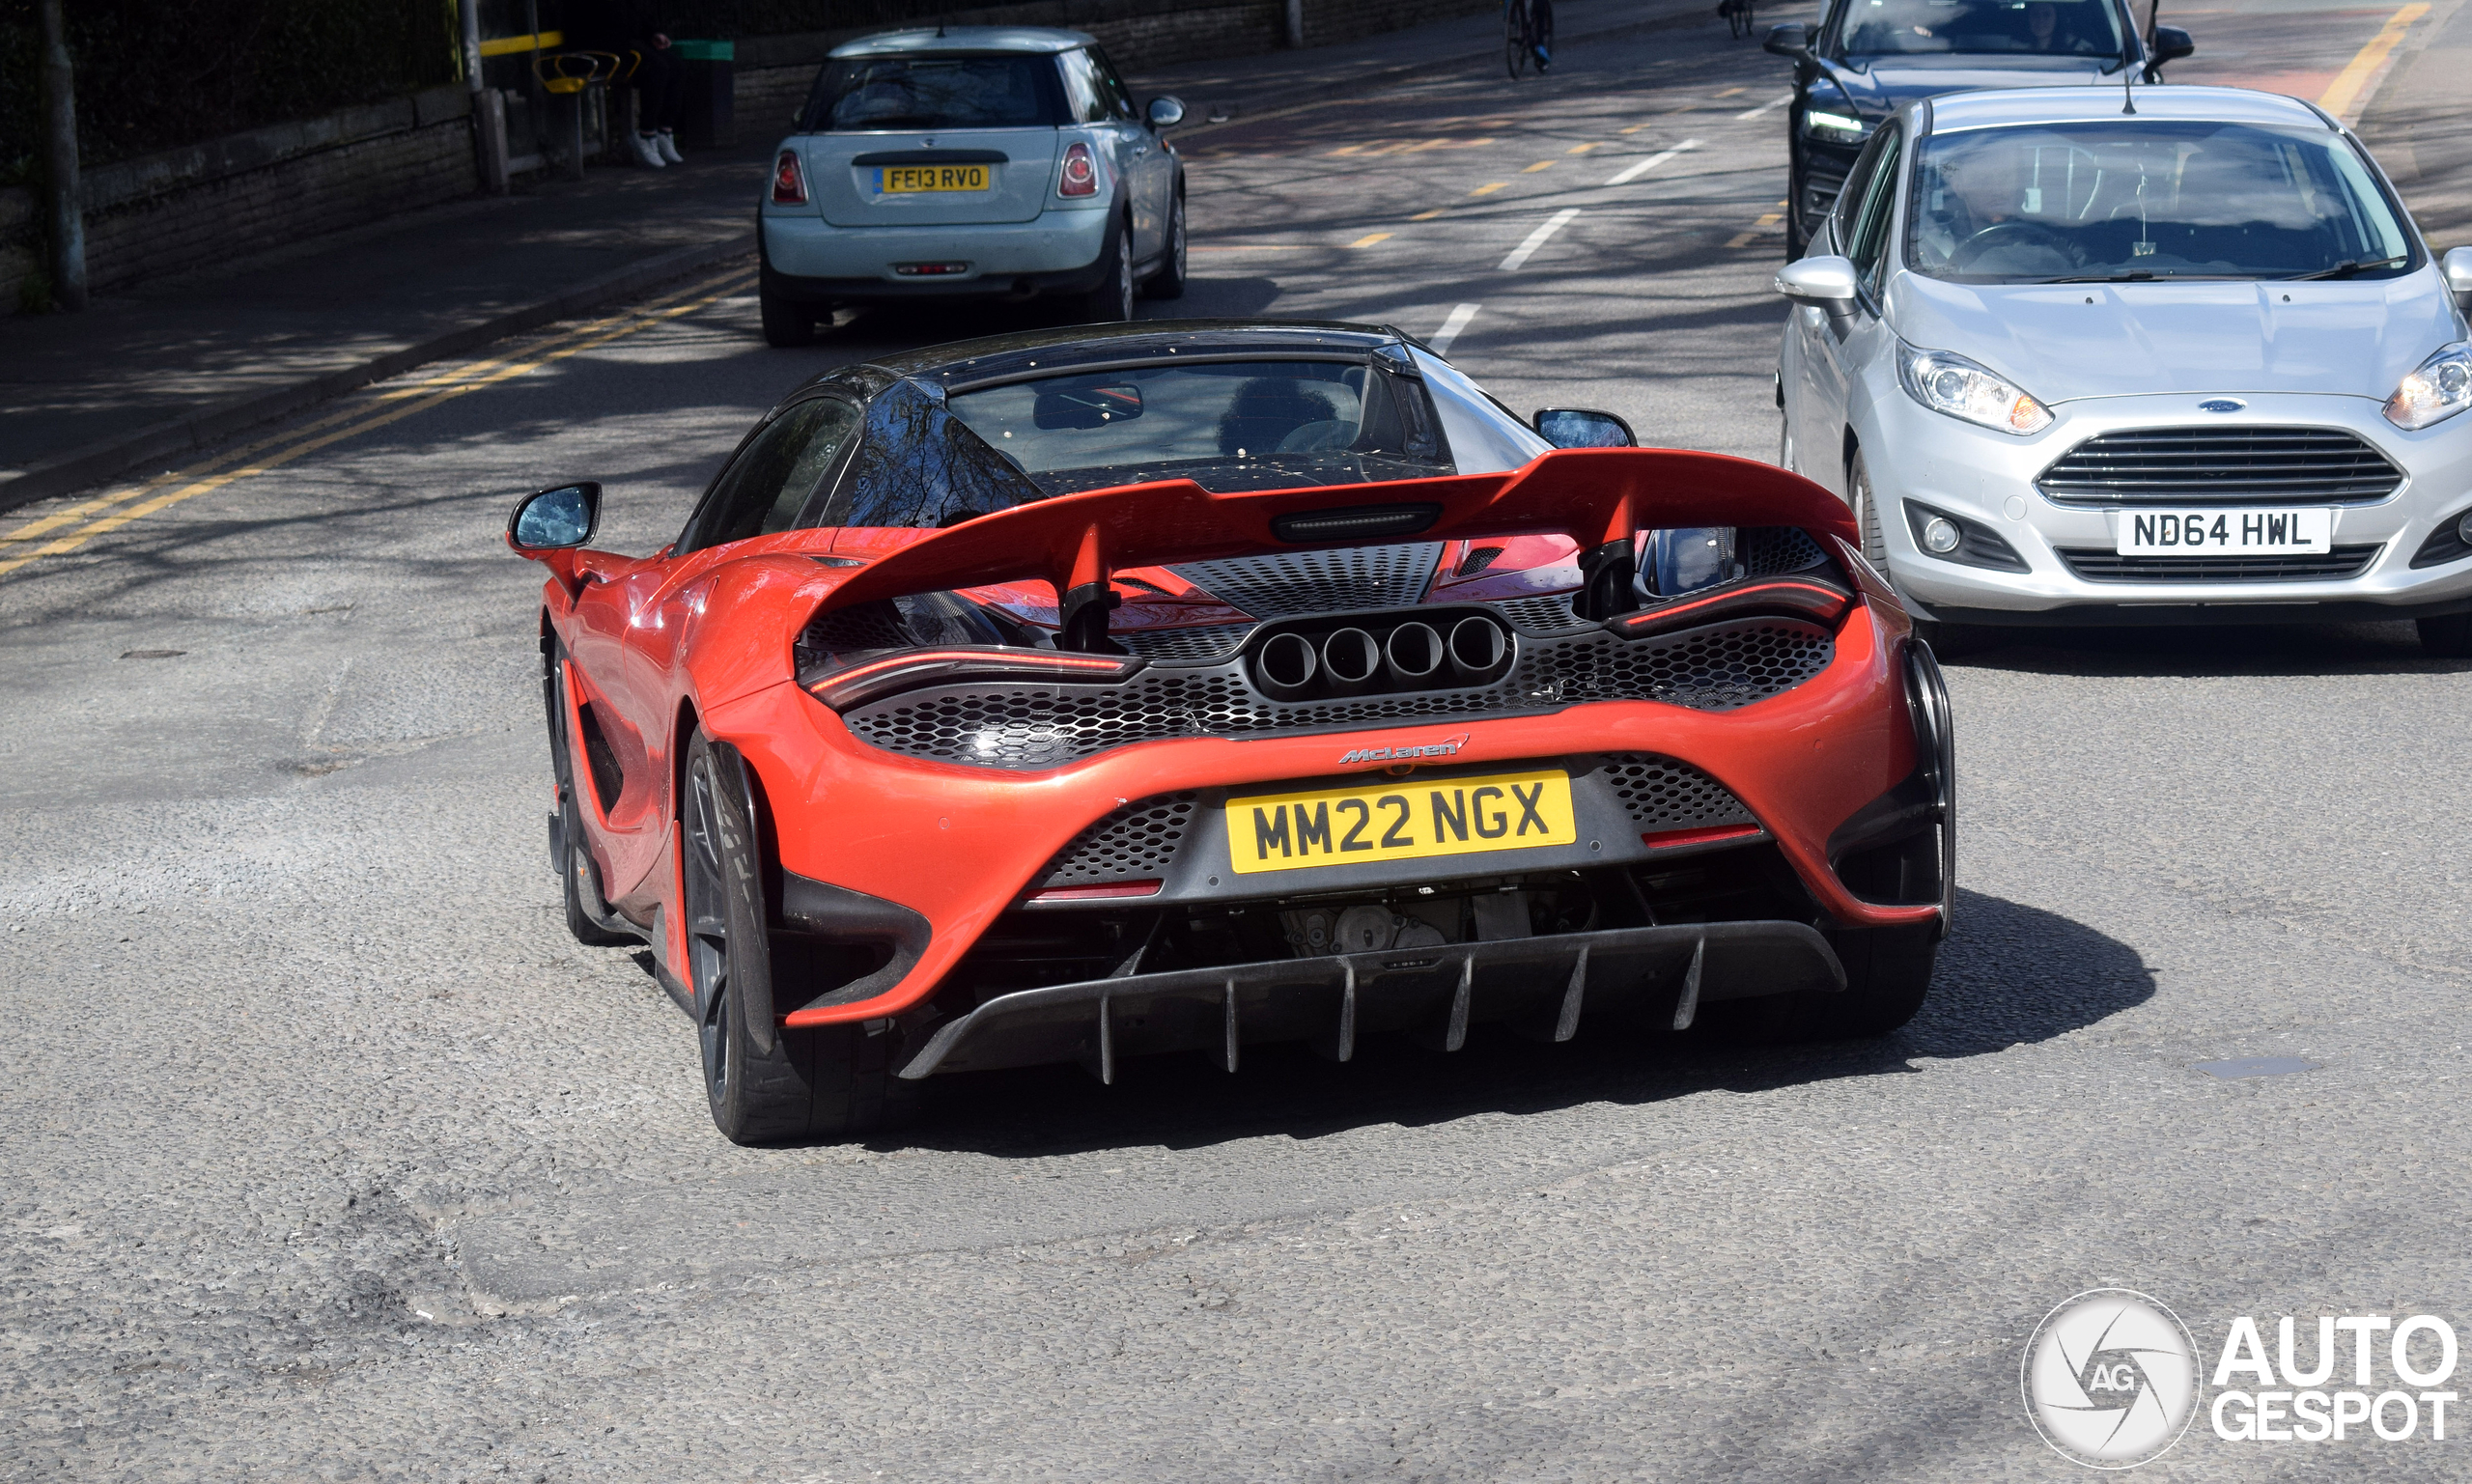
pixel 1081 695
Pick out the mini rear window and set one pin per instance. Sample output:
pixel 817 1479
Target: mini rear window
pixel 936 90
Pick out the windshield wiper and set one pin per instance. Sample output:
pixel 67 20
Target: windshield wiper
pixel 2347 267
pixel 2133 275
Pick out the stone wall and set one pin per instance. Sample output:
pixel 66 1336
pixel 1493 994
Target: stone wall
pixel 159 214
pixel 227 197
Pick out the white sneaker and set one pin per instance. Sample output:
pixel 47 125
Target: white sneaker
pixel 646 154
pixel 667 144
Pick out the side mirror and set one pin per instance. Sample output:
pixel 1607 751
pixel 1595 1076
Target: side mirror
pixel 2456 269
pixel 1166 113
pixel 1820 283
pixel 2170 44
pixel 1792 41
pixel 1578 428
pixel 555 519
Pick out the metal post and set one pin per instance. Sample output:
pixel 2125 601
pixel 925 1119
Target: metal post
pixel 60 125
pixel 488 124
pixel 1294 24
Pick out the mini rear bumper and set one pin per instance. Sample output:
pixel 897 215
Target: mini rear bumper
pixel 809 260
pixel 1544 986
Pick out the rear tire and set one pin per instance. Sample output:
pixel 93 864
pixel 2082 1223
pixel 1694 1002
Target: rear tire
pixel 763 1083
pixel 1168 283
pixel 786 325
pixel 1112 302
pixel 2447 638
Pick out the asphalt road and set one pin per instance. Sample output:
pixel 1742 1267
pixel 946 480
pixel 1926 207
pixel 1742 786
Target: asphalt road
pixel 328 1155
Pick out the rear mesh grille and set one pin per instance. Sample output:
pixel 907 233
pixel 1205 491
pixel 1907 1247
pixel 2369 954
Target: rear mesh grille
pixel 1292 583
pixel 1773 550
pixel 1663 794
pixel 1206 642
pixel 1034 725
pixel 1550 613
pixel 1136 842
pixel 2222 467
pixel 2106 567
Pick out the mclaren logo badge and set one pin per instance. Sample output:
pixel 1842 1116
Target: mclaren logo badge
pixel 1441 749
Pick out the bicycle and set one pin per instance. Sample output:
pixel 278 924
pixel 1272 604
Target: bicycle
pixel 1528 36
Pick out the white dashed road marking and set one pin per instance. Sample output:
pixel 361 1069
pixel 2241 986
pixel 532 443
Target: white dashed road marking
pixel 1538 238
pixel 1638 168
pixel 1451 325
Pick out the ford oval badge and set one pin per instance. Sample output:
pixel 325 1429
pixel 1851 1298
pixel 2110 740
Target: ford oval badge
pixel 2222 405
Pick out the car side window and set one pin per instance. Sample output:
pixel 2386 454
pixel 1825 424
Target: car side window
pixel 1867 245
pixel 769 481
pixel 1085 91
pixel 1849 196
pixel 1116 94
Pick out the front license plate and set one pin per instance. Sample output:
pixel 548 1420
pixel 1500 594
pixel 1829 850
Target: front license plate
pixel 2216 532
pixel 905 179
pixel 1393 820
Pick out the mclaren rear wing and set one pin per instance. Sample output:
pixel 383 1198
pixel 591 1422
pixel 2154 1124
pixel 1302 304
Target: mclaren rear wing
pixel 1601 497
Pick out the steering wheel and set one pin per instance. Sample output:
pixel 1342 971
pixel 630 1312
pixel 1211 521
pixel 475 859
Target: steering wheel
pixel 1999 234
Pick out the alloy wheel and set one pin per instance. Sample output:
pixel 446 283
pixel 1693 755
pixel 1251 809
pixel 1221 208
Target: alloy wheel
pixel 708 928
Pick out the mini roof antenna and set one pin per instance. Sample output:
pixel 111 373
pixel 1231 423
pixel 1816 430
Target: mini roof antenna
pixel 2128 75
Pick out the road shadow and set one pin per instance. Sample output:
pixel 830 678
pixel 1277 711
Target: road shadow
pixel 2012 974
pixel 2207 651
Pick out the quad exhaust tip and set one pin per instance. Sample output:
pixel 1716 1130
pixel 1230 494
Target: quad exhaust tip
pixel 1352 659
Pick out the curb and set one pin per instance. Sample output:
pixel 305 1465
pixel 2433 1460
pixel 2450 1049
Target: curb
pixel 1270 104
pixel 100 460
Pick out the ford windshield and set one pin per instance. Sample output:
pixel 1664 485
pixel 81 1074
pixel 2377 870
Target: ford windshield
pixel 2130 200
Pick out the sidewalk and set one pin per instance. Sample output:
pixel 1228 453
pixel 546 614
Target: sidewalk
pixel 145 376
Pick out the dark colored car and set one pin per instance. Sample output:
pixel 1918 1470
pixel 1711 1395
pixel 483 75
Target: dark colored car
pixel 1869 56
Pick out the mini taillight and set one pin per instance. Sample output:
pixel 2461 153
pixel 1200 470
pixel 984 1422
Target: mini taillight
pixel 789 187
pixel 1081 173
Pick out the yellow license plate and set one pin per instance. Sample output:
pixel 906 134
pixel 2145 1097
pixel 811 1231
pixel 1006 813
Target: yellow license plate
pixel 1395 819
pixel 901 180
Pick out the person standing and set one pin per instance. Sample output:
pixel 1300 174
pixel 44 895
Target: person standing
pixel 624 26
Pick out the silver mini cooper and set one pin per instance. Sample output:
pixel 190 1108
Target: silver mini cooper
pixel 2076 361
pixel 971 161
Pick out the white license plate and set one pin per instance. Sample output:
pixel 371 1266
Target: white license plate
pixel 2216 532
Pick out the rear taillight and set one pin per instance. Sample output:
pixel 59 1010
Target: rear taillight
pixel 1081 173
pixel 844 686
pixel 789 186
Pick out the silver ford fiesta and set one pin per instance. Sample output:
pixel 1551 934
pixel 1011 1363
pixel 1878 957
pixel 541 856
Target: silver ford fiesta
pixel 2073 363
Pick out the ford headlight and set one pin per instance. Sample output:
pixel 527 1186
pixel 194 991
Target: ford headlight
pixel 1948 382
pixel 2440 389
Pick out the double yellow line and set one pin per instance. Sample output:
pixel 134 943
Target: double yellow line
pixel 136 502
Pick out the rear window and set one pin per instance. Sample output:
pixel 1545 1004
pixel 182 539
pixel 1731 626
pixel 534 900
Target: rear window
pixel 936 91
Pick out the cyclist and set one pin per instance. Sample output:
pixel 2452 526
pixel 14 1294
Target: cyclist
pixel 1529 26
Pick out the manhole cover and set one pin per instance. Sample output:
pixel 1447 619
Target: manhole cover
pixel 2256 1066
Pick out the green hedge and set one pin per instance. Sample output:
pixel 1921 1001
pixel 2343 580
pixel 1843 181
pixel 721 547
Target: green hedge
pixel 153 75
